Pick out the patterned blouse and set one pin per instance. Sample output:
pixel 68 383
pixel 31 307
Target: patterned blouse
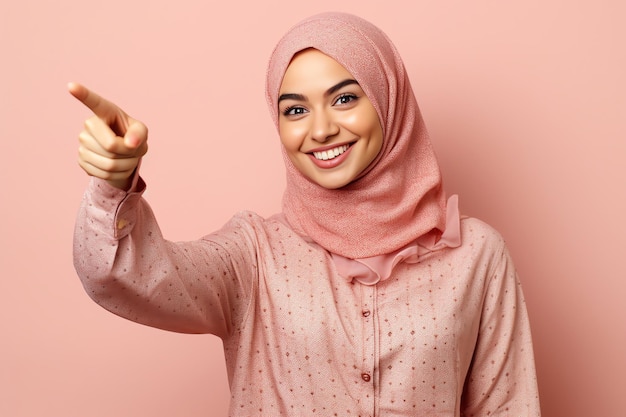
pixel 448 336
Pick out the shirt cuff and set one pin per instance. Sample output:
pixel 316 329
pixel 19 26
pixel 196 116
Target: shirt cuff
pixel 117 205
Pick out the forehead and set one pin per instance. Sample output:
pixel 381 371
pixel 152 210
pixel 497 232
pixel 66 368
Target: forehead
pixel 311 69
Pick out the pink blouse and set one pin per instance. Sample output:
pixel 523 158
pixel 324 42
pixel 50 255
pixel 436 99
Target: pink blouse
pixel 448 336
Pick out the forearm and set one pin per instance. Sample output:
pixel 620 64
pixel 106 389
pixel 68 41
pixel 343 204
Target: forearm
pixel 127 267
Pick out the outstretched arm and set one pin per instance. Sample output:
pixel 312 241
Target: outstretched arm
pixel 122 259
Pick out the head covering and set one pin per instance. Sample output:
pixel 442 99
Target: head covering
pixel 399 198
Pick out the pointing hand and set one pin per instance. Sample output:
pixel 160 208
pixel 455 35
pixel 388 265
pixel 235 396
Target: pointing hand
pixel 112 143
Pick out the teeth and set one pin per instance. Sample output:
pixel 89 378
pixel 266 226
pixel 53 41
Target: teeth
pixel 331 153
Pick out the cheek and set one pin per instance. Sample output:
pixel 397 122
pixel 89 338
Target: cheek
pixel 370 126
pixel 378 136
pixel 365 122
pixel 292 135
pixel 376 130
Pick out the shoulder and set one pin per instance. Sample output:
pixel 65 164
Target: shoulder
pixel 258 224
pixel 253 227
pixel 475 231
pixel 481 243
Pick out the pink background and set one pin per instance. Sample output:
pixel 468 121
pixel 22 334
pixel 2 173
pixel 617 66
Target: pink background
pixel 525 101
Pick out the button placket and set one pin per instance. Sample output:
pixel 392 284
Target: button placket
pixel 368 363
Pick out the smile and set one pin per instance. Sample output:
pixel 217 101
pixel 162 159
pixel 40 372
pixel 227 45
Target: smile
pixel 331 153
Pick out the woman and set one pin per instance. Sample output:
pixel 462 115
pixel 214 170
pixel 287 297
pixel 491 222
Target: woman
pixel 367 295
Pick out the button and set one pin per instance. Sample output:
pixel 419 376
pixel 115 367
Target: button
pixel 366 313
pixel 366 377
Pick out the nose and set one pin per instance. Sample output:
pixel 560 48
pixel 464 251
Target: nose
pixel 323 126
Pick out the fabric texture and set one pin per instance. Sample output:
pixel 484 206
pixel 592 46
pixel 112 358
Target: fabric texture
pixel 399 197
pixel 448 336
pixel 372 270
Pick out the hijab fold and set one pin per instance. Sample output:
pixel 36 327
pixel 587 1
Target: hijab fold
pixel 398 202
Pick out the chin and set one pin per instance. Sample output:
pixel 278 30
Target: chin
pixel 332 186
pixel 332 183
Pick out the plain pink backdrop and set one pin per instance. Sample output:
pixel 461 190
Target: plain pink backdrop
pixel 525 102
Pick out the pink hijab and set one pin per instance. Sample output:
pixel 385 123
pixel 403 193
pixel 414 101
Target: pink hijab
pixel 398 201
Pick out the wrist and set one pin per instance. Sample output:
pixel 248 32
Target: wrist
pixel 122 184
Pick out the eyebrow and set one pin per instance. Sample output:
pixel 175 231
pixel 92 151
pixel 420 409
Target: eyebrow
pixel 331 90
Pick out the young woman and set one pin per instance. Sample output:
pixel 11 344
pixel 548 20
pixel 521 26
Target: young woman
pixel 368 294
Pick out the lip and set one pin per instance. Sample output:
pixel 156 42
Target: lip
pixel 330 163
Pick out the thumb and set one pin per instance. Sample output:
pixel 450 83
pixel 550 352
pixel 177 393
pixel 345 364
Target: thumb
pixel 136 134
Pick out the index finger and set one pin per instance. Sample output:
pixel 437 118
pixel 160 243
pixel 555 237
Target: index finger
pixel 100 106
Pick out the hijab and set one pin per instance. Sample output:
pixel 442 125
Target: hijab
pixel 398 201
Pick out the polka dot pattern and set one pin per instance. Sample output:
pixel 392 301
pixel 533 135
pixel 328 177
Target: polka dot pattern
pixel 448 336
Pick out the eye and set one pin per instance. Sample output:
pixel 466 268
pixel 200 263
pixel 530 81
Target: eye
pixel 294 111
pixel 345 99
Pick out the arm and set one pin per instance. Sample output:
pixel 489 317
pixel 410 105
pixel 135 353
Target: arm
pixel 502 380
pixel 119 253
pixel 128 268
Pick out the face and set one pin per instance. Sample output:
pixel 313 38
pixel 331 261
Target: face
pixel 327 125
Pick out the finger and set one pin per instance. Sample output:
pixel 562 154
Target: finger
pixel 89 145
pixel 104 167
pixel 106 138
pixel 113 115
pixel 136 134
pixel 105 175
pixel 88 142
pixel 100 106
pixel 134 141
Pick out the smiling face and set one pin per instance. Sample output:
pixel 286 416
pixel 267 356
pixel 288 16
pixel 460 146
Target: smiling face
pixel 329 128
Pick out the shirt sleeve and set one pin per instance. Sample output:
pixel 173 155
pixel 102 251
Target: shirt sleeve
pixel 502 379
pixel 128 268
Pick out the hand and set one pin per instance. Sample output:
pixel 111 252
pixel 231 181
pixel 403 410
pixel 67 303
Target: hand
pixel 112 143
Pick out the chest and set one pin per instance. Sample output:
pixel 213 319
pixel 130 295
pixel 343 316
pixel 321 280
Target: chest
pixel 429 310
pixel 313 339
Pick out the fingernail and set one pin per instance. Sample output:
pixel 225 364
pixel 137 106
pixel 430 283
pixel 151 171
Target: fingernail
pixel 132 141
